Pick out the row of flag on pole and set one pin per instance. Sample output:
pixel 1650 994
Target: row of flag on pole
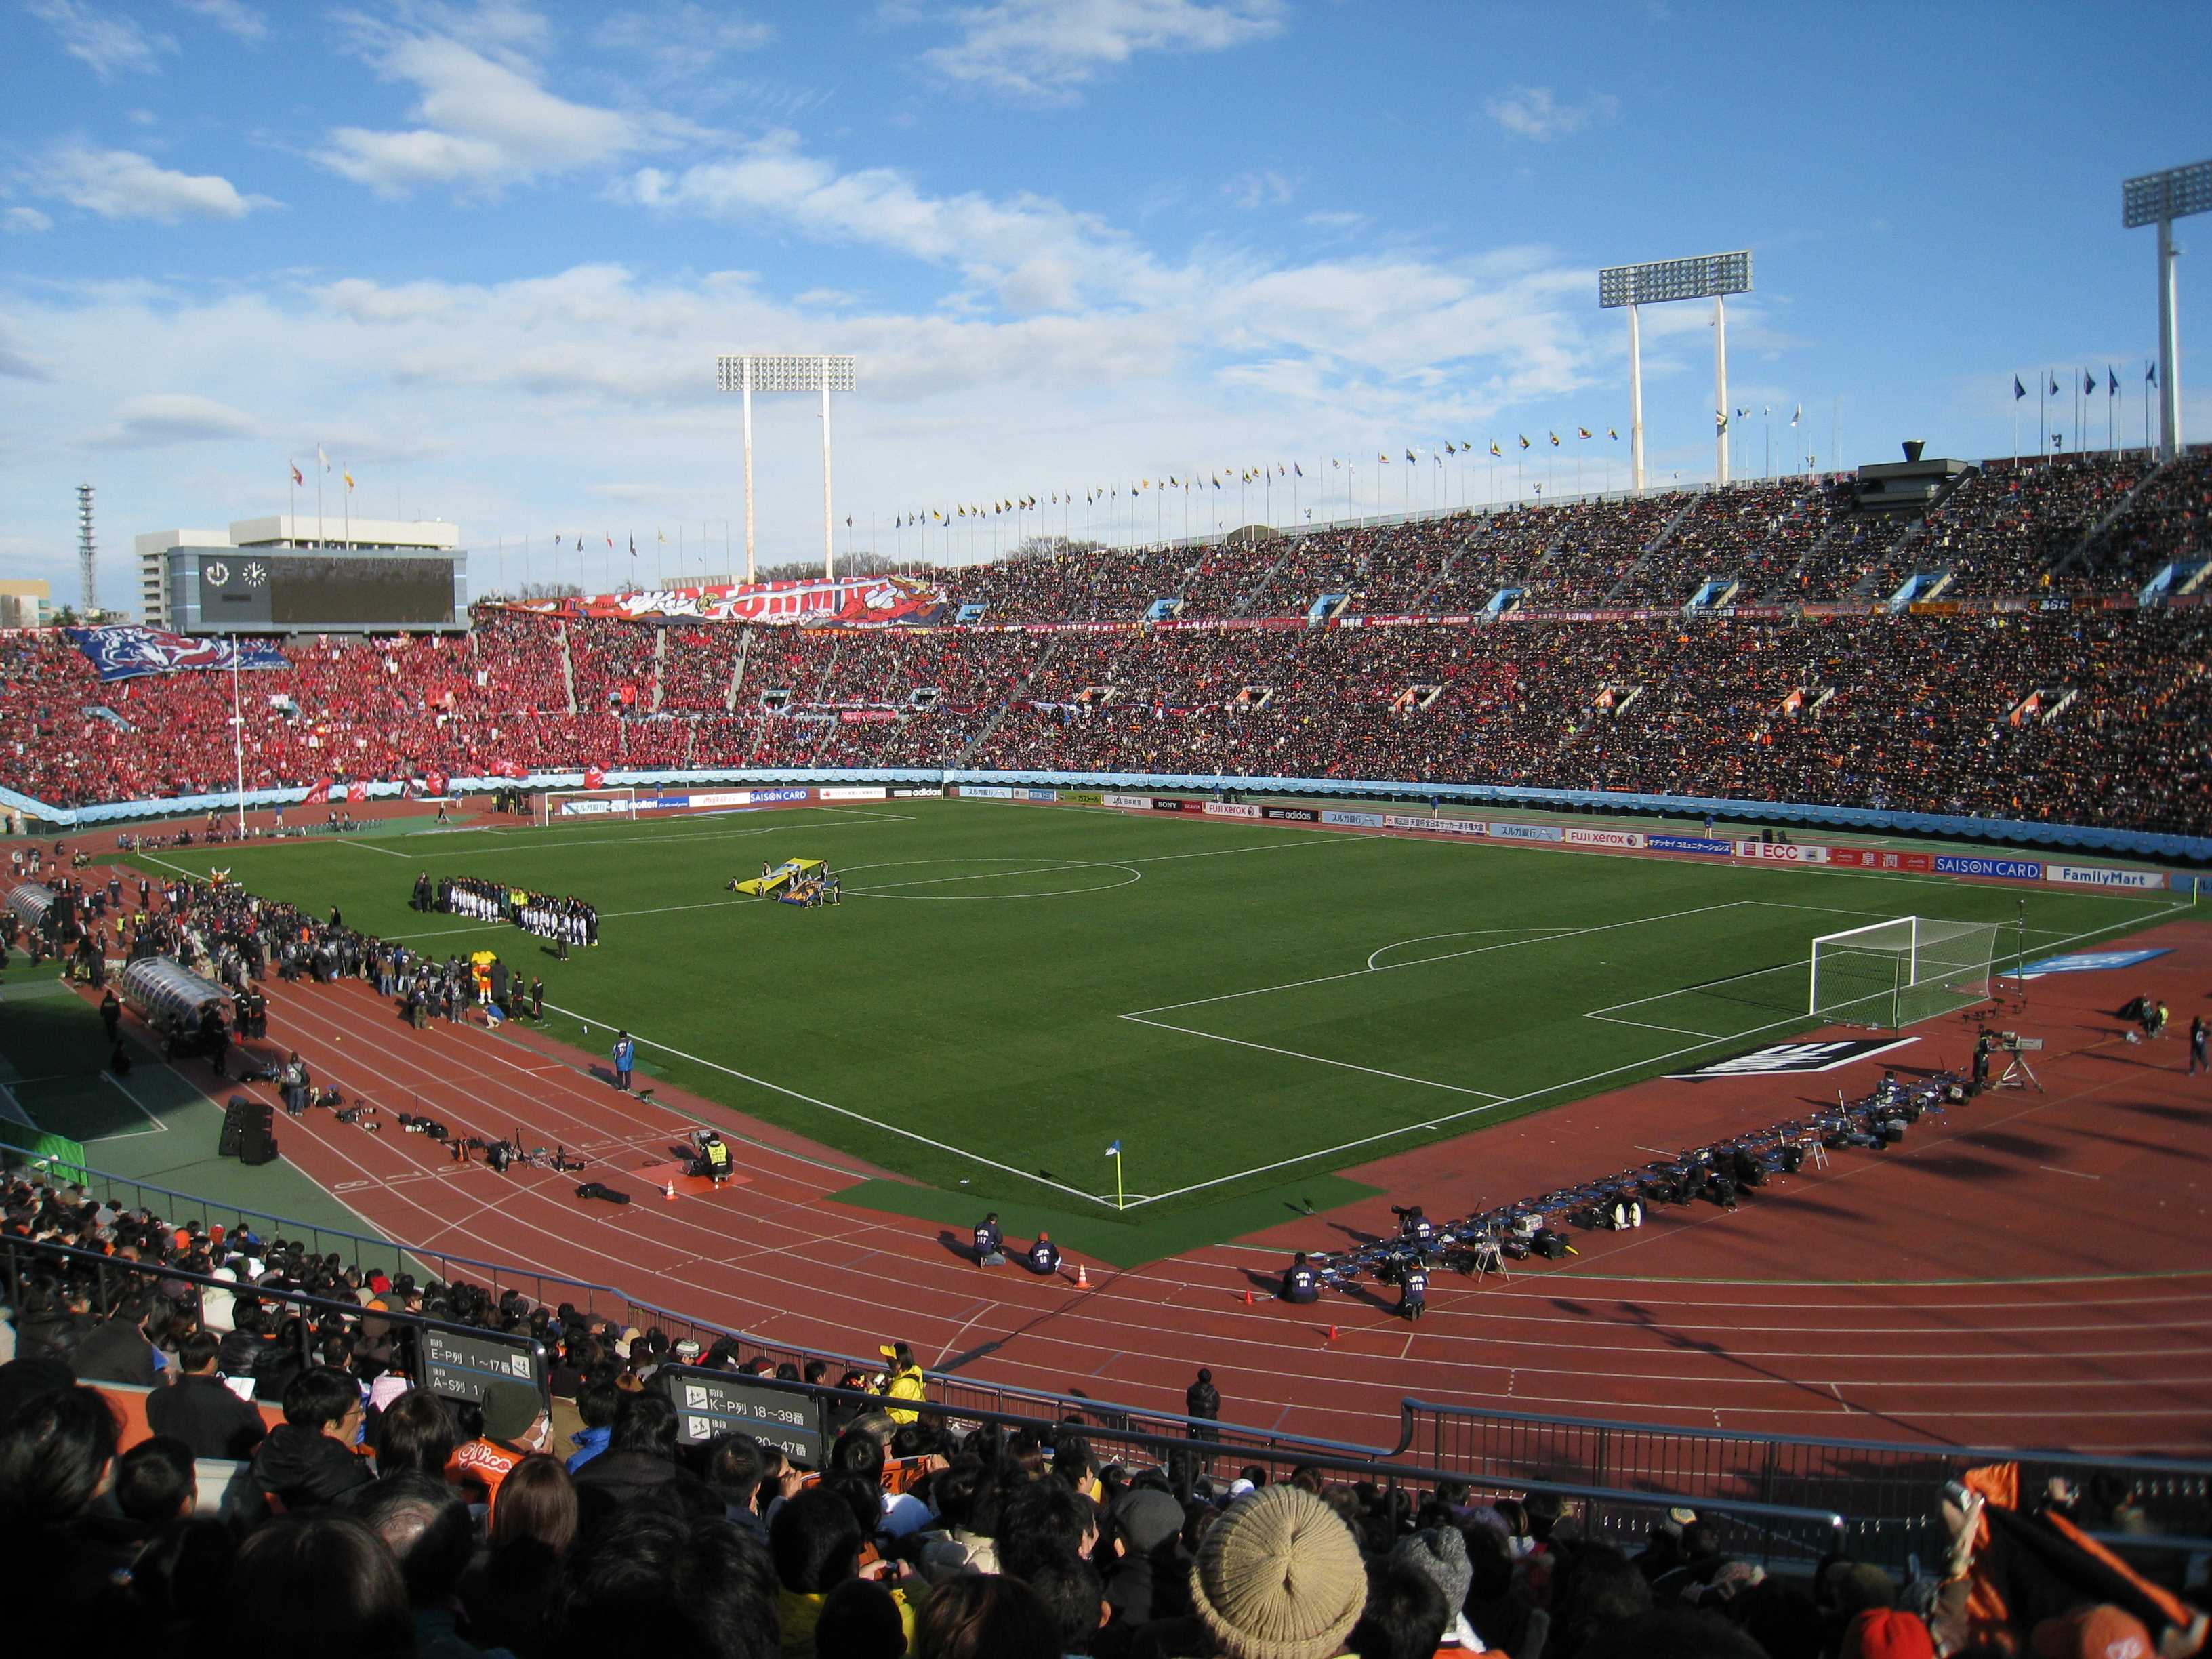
pixel 1264 476
pixel 323 461
pixel 2089 386
pixel 1720 417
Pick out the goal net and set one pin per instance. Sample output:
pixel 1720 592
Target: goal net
pixel 574 806
pixel 1895 973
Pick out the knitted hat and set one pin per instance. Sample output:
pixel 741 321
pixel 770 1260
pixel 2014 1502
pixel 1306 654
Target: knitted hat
pixel 1885 1633
pixel 1440 1553
pixel 2097 1632
pixel 1278 1578
pixel 1147 1518
pixel 509 1409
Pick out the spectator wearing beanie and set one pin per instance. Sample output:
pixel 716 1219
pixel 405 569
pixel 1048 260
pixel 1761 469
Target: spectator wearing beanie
pixel 1278 1576
pixel 1891 1633
pixel 1440 1553
pixel 515 1424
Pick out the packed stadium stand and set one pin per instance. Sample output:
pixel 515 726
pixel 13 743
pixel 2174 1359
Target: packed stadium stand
pixel 1551 647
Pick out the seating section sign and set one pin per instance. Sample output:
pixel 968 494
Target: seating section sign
pixel 462 1365
pixel 710 1403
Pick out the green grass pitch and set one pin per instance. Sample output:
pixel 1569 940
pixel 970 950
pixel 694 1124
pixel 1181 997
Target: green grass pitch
pixel 1008 989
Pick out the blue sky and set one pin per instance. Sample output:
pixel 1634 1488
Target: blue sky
pixel 485 252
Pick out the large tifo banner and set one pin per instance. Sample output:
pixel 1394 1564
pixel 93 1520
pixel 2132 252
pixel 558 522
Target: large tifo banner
pixel 123 653
pixel 849 601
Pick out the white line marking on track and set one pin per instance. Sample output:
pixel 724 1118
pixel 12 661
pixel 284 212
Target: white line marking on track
pixel 2077 1174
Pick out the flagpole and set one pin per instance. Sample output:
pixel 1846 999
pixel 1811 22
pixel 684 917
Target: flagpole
pixel 2043 413
pixel 238 735
pixel 321 467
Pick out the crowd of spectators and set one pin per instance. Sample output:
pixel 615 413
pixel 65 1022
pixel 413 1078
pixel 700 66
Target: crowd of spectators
pixel 1916 712
pixel 1922 712
pixel 377 1518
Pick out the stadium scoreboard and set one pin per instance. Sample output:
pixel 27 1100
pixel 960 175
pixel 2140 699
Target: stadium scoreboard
pixel 709 1403
pixel 462 1365
pixel 247 590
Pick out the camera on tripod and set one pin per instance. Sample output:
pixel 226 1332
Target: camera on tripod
pixel 2014 1042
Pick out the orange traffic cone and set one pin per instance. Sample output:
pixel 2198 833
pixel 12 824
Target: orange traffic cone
pixel 1247 1299
pixel 1082 1277
pixel 1332 1333
pixel 669 1190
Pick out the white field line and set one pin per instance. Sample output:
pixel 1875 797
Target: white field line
pixel 1536 1094
pixel 1319 1060
pixel 1448 956
pixel 367 846
pixel 841 1111
pixel 116 1082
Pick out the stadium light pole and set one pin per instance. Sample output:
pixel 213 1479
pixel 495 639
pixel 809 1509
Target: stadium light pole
pixel 750 372
pixel 2159 199
pixel 1709 276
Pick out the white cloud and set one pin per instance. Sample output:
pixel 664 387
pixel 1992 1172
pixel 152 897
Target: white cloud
pixel 174 419
pixel 1536 112
pixel 682 34
pixel 233 17
pixel 25 221
pixel 1046 49
pixel 110 45
pixel 16 362
pixel 121 183
pixel 1263 188
pixel 484 122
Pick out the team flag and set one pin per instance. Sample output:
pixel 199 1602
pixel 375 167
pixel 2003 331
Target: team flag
pixel 296 478
pixel 1720 422
pixel 348 477
pixel 1554 438
pixel 321 460
pixel 1611 434
pixel 594 778
pixel 2150 373
pixel 2112 382
pixel 1524 441
pixel 1797 414
pixel 1584 430
pixel 320 793
pixel 2054 385
pixel 1494 449
pixel 2018 391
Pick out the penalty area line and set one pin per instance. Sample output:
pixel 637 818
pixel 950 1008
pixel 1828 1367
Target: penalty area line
pixel 1548 1089
pixel 827 1106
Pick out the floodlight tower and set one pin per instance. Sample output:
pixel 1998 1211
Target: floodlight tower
pixel 87 581
pixel 2159 199
pixel 1709 275
pixel 751 372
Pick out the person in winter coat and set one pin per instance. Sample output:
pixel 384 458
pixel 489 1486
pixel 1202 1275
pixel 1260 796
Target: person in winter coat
pixel 310 1459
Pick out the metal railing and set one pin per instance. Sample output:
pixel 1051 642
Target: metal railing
pixel 542 1288
pixel 1750 1529
pixel 1888 1489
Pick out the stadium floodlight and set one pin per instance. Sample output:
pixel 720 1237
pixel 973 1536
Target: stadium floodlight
pixel 1709 276
pixel 750 372
pixel 2159 199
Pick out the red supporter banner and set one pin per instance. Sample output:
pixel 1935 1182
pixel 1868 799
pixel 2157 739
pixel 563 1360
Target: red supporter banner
pixel 1867 858
pixel 319 793
pixel 356 791
pixel 865 716
pixel 594 778
pixel 434 782
pixel 849 601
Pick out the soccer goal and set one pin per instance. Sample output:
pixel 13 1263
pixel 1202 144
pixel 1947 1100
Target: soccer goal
pixel 572 805
pixel 1895 973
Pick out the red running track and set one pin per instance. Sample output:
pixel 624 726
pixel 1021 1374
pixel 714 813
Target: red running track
pixel 2033 1268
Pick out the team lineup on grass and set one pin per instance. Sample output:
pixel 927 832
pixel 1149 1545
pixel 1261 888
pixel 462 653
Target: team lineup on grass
pixel 1232 1005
